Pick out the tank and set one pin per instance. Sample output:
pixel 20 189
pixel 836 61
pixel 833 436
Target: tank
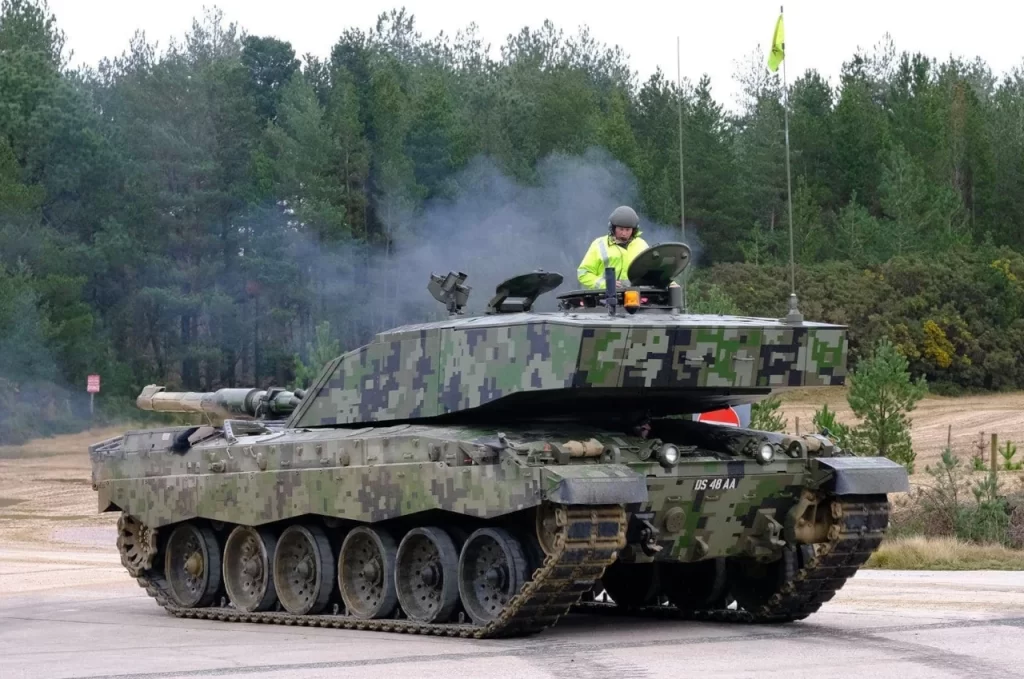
pixel 486 474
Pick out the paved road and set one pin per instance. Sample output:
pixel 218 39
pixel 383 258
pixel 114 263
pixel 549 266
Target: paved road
pixel 68 614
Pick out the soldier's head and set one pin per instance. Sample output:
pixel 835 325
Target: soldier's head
pixel 623 224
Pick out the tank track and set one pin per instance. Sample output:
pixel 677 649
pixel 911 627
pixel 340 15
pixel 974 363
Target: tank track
pixel 583 547
pixel 858 528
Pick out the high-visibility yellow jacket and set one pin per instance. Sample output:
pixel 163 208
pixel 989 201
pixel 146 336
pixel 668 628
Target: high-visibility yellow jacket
pixel 603 252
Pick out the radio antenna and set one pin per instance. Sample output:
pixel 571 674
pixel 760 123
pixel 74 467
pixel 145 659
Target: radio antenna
pixel 682 192
pixel 794 315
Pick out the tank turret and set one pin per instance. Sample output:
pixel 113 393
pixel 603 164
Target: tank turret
pixel 603 353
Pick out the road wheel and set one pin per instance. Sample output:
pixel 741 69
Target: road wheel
pixel 492 570
pixel 426 575
pixel 303 569
pixel 248 575
pixel 366 573
pixel 192 565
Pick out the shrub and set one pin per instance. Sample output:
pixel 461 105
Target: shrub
pixel 825 421
pixel 881 393
pixel 764 415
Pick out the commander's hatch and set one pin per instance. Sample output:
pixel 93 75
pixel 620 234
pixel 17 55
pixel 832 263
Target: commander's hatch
pixel 658 266
pixel 517 294
pixel 651 279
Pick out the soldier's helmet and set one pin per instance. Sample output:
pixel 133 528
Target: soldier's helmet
pixel 623 216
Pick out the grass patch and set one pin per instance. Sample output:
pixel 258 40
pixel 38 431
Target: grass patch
pixel 944 554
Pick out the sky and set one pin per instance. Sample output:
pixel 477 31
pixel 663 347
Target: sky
pixel 714 36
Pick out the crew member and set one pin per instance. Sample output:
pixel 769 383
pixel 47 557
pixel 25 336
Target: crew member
pixel 618 249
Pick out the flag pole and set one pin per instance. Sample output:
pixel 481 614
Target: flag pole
pixel 682 193
pixel 794 315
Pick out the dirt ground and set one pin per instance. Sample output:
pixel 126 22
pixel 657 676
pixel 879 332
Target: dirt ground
pixel 46 492
pixel 965 420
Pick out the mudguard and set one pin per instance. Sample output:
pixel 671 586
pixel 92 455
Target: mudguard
pixel 863 475
pixel 606 484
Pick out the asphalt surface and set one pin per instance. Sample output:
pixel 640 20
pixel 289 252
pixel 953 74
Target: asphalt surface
pixel 77 614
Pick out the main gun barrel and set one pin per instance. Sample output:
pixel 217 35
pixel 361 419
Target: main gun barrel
pixel 241 403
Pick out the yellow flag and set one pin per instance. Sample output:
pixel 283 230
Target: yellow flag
pixel 778 53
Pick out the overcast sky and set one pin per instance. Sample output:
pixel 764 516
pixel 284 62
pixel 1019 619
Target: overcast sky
pixel 715 36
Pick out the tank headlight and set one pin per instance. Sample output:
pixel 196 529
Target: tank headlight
pixel 765 453
pixel 668 455
pixel 631 298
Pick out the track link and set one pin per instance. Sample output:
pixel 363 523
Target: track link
pixel 587 543
pixel 859 525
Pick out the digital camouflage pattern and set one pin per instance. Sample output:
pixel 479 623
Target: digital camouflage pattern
pixel 382 473
pixel 447 367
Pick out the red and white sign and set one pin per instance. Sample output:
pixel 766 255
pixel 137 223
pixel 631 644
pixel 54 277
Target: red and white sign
pixel 93 384
pixel 727 416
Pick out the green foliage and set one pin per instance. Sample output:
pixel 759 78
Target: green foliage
pixel 952 315
pixel 942 501
pixel 765 416
pixel 881 394
pixel 434 142
pixel 24 353
pixel 191 216
pixel 319 353
pixel 1008 450
pixel 271 64
pixel 705 297
pixel 824 421
pixel 988 520
pixel 943 508
pixel 859 234
pixel 302 154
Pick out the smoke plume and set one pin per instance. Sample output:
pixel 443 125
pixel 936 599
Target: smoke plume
pixel 497 228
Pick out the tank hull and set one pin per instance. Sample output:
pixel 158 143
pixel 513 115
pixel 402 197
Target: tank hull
pixel 626 503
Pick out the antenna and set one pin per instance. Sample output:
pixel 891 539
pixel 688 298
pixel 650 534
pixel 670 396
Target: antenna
pixel 682 193
pixel 794 315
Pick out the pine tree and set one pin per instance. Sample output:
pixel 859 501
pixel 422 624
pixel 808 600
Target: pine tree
pixel 881 394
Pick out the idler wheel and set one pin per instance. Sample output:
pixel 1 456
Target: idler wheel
pixel 366 573
pixel 192 565
pixel 550 523
pixel 695 586
pixel 492 570
pixel 426 575
pixel 248 560
pixel 632 585
pixel 303 569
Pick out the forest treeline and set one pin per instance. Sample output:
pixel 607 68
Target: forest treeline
pixel 189 215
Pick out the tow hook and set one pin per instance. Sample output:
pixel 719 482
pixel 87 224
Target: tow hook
pixel 649 539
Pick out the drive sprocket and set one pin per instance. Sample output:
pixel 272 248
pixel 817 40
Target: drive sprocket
pixel 136 543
